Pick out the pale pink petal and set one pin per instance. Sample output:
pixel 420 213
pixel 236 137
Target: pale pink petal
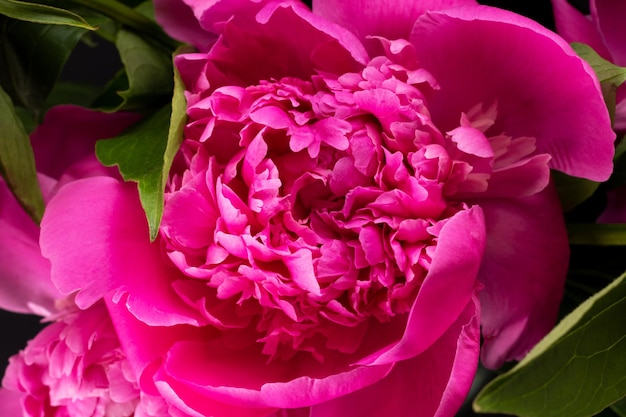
pixel 446 290
pixel 573 26
pixel 25 285
pixel 523 272
pixel 95 234
pixel 542 89
pixel 609 18
pixel 392 20
pixel 432 384
pixel 10 403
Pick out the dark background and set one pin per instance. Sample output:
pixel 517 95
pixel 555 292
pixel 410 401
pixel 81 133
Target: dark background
pixel 96 65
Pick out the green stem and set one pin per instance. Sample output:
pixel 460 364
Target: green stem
pixel 131 18
pixel 606 234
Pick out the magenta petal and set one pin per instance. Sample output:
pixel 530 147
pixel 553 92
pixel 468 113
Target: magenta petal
pixel 541 88
pixel 433 384
pixel 287 40
pixel 523 271
pixel 244 378
pixel 573 26
pixel 446 290
pixel 144 344
pixel 75 130
pixel 609 18
pixel 615 211
pixel 95 234
pixel 392 20
pixel 178 20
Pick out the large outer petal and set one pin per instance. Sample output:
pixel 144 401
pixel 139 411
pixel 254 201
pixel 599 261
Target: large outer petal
pixel 194 371
pixel 524 271
pixel 392 20
pixel 609 18
pixel 95 234
pixel 433 384
pixel 446 289
pixel 245 378
pixel 543 90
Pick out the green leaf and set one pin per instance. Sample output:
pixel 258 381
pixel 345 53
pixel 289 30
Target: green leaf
pixel 577 370
pixel 32 57
pixel 178 119
pixel 619 407
pixel 145 154
pixel 605 71
pixel 65 92
pixel 148 73
pixel 597 234
pixel 40 13
pixel 17 161
pixel 134 19
pixel 610 75
pixel 139 155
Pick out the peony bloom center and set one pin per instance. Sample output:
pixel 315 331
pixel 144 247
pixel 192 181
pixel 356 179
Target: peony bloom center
pixel 304 209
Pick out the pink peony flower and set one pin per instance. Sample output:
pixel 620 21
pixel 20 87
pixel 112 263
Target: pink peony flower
pixel 604 31
pixel 350 178
pixel 76 368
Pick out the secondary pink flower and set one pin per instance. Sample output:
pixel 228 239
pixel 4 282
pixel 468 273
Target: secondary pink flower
pixel 342 193
pixel 75 367
pixel 604 31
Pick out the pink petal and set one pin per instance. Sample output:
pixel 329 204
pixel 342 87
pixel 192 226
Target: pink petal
pixel 284 39
pixel 573 26
pixel 244 378
pixel 143 344
pixel 178 20
pixel 521 179
pixel 446 290
pixel 433 384
pixel 74 130
pixel 523 272
pixel 25 285
pixel 615 211
pixel 542 89
pixel 95 234
pixel 10 403
pixel 391 20
pixel 609 18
